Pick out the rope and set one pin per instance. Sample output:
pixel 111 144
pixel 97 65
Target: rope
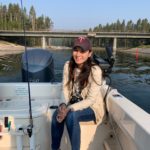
pixel 108 114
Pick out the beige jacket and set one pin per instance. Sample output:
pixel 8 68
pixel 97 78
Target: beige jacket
pixel 91 94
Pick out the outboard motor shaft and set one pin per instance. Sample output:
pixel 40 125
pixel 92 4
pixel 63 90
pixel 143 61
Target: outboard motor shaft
pixel 40 66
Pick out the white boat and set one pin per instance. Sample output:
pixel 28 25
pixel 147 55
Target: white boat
pixel 127 126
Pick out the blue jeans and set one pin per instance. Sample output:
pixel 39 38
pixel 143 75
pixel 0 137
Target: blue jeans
pixel 72 122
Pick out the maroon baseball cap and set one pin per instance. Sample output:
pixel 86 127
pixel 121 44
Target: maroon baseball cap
pixel 82 42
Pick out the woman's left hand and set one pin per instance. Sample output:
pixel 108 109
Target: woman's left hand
pixel 62 113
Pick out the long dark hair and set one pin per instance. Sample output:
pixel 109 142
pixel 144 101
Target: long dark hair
pixel 84 74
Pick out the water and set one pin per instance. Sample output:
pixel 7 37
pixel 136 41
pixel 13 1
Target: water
pixel 132 79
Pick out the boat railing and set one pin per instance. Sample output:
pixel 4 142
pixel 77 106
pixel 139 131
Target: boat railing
pixel 131 119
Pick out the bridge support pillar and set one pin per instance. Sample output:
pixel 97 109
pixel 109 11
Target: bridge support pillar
pixel 49 41
pixel 44 42
pixel 114 46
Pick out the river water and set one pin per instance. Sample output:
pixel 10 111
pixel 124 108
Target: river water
pixel 131 78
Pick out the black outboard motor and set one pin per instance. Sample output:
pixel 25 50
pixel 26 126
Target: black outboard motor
pixel 106 64
pixel 40 66
pixel 110 59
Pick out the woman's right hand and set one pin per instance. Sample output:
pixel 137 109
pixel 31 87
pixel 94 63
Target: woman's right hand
pixel 62 112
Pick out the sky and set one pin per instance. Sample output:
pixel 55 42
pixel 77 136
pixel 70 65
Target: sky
pixel 84 14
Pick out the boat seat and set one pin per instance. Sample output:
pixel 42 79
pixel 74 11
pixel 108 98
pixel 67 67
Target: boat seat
pixel 88 123
pixel 92 136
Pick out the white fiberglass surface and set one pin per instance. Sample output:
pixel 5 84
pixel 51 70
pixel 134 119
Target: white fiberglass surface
pixel 132 120
pixel 21 108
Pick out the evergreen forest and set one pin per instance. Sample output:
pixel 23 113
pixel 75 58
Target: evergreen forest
pixel 12 18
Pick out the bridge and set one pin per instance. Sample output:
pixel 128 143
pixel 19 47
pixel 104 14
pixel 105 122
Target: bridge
pixel 51 34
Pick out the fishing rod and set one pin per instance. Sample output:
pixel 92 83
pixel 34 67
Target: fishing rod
pixel 30 127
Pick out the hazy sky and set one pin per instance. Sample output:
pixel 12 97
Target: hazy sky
pixel 83 14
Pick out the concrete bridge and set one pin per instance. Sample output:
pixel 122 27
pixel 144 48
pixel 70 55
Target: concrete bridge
pixel 51 34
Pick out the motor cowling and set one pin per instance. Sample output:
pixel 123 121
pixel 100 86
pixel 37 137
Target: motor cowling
pixel 37 66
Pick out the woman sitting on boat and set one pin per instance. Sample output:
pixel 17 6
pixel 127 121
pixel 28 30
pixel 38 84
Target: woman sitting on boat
pixel 82 80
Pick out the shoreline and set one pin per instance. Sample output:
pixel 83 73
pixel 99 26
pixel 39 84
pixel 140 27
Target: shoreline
pixel 143 52
pixel 7 48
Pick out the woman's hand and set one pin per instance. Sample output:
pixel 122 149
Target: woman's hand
pixel 62 112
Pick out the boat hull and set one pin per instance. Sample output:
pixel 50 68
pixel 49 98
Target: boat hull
pixel 122 129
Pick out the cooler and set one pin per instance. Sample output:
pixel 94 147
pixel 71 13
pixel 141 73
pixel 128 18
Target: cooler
pixel 14 120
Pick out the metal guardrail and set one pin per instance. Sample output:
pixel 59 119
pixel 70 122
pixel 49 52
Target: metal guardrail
pixel 68 34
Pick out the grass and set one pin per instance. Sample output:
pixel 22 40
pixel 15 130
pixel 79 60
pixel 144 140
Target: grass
pixel 144 46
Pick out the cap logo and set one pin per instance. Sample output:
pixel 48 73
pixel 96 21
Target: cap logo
pixel 81 39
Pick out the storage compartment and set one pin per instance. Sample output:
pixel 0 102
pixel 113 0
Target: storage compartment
pixel 14 120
